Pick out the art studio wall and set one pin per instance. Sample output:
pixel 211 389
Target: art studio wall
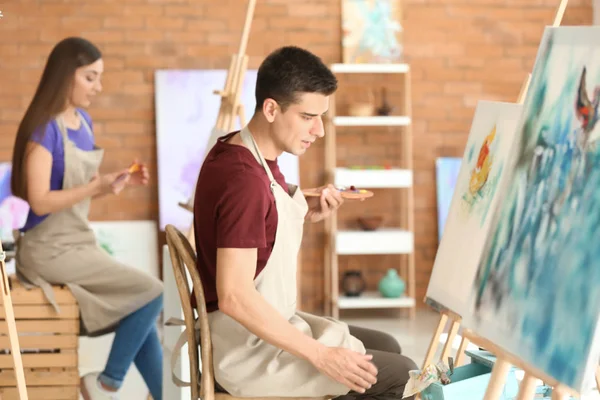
pixel 459 52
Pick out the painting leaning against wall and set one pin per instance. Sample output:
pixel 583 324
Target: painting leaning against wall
pixel 536 290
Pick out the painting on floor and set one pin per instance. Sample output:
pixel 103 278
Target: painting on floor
pixel 371 31
pixel 536 289
pixel 482 168
pixel 186 113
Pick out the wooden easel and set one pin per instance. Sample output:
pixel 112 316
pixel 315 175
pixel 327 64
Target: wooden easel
pixel 455 319
pixel 231 107
pixel 13 335
pixel 527 387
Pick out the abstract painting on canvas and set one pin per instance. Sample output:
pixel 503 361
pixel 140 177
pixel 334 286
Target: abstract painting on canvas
pixel 482 168
pixel 13 210
pixel 536 290
pixel 186 113
pixel 371 31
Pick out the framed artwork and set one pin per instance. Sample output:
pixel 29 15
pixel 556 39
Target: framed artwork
pixel 371 31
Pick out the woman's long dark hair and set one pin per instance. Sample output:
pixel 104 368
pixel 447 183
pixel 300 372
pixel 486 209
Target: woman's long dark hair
pixel 49 100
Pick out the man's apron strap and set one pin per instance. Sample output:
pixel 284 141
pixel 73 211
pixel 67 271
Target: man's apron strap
pixel 176 352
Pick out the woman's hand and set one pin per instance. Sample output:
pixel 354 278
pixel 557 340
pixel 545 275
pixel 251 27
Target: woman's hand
pixel 140 176
pixel 113 183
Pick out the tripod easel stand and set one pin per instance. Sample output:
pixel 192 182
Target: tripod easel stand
pixel 231 106
pixel 500 371
pixel 12 329
pixel 446 315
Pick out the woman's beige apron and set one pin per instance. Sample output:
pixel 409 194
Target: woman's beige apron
pixel 247 366
pixel 62 249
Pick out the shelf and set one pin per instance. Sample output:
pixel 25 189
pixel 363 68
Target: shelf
pixel 374 300
pixel 372 121
pixel 382 241
pixel 370 68
pixel 374 178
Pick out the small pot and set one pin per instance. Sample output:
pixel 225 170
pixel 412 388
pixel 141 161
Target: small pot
pixel 370 223
pixel 353 283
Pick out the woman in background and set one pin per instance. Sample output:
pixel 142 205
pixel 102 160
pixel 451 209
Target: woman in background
pixel 55 169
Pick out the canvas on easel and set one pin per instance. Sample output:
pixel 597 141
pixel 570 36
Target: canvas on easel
pixel 448 314
pixel 186 110
pixel 475 196
pixel 536 291
pixel 231 107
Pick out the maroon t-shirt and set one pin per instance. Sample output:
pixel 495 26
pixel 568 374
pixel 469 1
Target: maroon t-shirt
pixel 233 207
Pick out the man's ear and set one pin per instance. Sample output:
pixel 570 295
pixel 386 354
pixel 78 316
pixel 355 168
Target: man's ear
pixel 270 109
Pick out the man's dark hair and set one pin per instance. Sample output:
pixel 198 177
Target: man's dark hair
pixel 290 71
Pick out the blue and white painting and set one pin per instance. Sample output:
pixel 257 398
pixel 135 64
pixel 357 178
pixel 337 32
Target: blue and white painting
pixel 537 289
pixel 371 31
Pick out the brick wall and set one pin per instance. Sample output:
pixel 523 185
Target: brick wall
pixel 459 53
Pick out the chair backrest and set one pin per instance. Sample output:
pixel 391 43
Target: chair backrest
pixel 182 254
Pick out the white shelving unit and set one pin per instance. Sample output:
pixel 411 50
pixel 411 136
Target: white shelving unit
pixel 372 121
pixel 394 241
pixel 372 178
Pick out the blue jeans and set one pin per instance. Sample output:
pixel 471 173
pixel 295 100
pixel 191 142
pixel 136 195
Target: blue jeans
pixel 136 340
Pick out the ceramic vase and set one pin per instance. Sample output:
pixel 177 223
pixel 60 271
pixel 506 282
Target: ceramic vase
pixel 391 285
pixel 353 283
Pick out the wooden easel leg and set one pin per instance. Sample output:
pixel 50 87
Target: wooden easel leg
pixel 12 329
pixel 435 340
pixel 450 340
pixel 242 115
pixel 460 354
pixel 527 388
pixel 598 378
pixel 560 12
pixel 558 394
pixel 497 379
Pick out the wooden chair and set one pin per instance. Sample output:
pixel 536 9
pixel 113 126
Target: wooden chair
pixel 182 254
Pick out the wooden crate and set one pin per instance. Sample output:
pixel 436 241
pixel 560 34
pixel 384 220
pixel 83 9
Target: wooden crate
pixel 48 344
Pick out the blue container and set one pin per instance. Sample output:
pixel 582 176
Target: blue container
pixel 470 382
pixel 542 392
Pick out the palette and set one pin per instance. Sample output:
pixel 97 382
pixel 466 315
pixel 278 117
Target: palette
pixel 349 193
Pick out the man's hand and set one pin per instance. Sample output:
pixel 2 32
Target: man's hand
pixel 323 206
pixel 348 367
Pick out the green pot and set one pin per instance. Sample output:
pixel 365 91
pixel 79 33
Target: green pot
pixel 391 285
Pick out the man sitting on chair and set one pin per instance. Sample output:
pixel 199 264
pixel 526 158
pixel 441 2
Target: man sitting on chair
pixel 248 230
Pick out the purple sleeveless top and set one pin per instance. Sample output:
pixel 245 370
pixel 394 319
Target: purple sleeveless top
pixel 51 138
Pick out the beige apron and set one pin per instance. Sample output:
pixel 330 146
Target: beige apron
pixel 247 366
pixel 62 249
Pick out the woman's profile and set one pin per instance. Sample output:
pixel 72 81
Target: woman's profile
pixel 56 170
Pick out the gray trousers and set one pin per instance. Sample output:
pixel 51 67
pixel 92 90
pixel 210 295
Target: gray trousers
pixel 392 366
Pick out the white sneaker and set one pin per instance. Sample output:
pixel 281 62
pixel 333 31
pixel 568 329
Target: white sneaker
pixel 91 388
